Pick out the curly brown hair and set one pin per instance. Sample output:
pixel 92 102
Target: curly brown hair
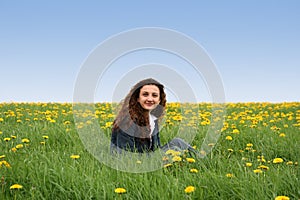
pixel 132 112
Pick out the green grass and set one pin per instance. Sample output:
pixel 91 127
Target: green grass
pixel 46 171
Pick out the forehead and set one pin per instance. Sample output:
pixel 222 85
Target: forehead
pixel 150 88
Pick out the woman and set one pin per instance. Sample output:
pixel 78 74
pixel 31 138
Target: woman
pixel 135 128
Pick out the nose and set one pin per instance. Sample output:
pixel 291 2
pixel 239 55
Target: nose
pixel 150 98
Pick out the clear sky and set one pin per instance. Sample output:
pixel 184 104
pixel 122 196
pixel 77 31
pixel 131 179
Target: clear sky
pixel 255 45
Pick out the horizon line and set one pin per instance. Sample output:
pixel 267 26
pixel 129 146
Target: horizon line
pixel 96 102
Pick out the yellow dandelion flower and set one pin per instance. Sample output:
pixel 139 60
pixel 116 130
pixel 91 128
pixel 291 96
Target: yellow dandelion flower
pixel 193 170
pixel 2 156
pixel 25 140
pixel 189 189
pixel 108 124
pixel 261 160
pixel 282 198
pixel 138 162
pixel 257 171
pixel 173 152
pixel 168 121
pixel 67 122
pixel 281 135
pixel 169 152
pixel 5 163
pixel 177 118
pixel 249 145
pixel 167 165
pixel 190 160
pixel 120 190
pixel 289 163
pixel 230 150
pixel 13 149
pixel 248 148
pixel 228 137
pixel 205 122
pixel 19 146
pixel 16 186
pixel 176 153
pixel 229 175
pixel 13 137
pixel 42 143
pixel 6 139
pixel 165 158
pixel 235 131
pixel 176 159
pixel 248 164
pixel 223 129
pixel 263 167
pixel 74 157
pixel 45 137
pixel 79 126
pixel 277 160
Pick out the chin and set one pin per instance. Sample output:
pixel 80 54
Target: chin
pixel 149 108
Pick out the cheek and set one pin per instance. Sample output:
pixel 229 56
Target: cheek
pixel 158 101
pixel 141 100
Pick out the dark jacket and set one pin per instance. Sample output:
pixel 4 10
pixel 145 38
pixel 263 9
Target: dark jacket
pixel 128 140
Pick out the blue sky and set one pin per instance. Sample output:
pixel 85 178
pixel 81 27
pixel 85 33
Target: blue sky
pixel 255 45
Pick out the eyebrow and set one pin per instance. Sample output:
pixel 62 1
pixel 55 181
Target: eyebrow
pixel 153 93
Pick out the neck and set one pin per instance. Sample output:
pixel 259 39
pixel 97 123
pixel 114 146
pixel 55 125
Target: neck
pixel 147 112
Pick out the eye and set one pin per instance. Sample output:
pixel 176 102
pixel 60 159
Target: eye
pixel 145 94
pixel 155 95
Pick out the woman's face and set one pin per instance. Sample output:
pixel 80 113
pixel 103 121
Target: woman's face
pixel 149 97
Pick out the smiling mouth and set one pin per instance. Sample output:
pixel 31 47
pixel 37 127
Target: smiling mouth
pixel 149 104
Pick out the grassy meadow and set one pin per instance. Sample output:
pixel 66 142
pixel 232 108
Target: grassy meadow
pixel 256 156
